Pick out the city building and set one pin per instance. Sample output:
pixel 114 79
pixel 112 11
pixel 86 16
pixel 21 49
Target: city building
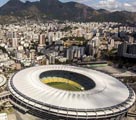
pixel 127 50
pixel 41 40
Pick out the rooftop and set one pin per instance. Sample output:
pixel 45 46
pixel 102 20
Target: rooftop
pixel 27 85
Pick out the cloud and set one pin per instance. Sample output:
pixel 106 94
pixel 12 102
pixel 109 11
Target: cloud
pixel 109 4
pixel 115 5
pixel 112 5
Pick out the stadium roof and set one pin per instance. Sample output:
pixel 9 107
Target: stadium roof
pixel 108 92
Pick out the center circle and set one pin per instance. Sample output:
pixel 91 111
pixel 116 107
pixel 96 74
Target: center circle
pixel 67 80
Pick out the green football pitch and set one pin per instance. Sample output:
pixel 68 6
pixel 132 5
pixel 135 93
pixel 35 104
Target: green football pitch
pixel 64 86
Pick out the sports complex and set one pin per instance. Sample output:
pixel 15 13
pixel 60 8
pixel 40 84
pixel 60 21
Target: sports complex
pixel 60 92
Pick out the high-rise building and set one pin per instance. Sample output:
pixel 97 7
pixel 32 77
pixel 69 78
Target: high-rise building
pixel 52 59
pixel 14 42
pixel 127 50
pixel 70 53
pixel 41 40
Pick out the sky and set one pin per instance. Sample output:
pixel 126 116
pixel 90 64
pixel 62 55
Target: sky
pixel 112 5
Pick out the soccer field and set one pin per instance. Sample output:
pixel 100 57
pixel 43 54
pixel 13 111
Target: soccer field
pixel 64 86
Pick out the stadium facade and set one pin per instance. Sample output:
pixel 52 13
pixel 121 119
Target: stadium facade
pixel 103 97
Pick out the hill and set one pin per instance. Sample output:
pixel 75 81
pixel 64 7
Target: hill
pixel 15 10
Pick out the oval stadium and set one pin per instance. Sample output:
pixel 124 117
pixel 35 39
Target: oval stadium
pixel 59 92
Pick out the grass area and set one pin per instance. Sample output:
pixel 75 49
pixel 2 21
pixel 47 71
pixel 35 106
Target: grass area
pixel 64 86
pixel 96 65
pixel 62 83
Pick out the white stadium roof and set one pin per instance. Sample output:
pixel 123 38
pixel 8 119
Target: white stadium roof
pixel 108 96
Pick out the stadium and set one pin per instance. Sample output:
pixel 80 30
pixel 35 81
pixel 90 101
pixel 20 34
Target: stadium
pixel 59 92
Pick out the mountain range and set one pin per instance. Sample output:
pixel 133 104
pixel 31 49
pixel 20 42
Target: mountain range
pixel 15 10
